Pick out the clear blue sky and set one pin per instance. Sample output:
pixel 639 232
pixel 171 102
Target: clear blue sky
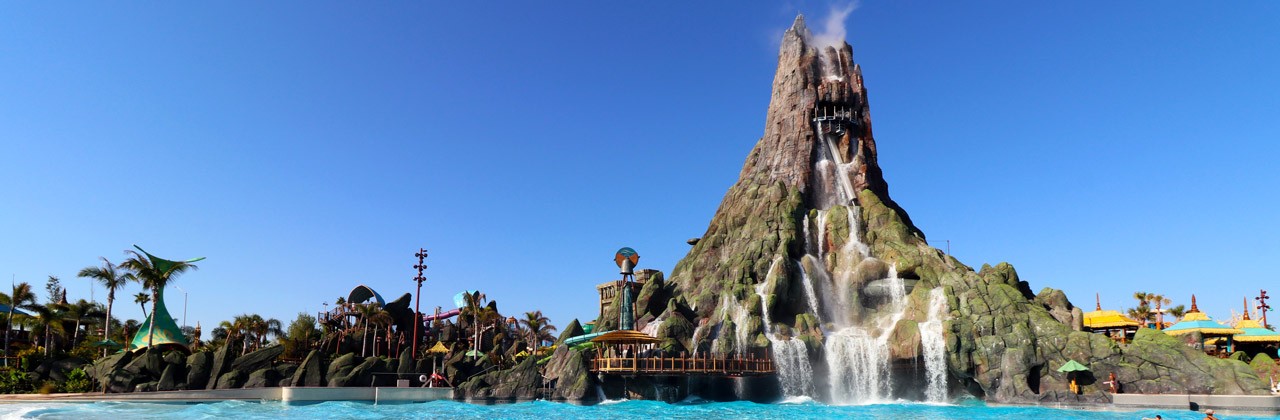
pixel 307 147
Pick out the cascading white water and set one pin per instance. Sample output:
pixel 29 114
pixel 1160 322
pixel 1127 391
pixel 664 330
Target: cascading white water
pixel 843 186
pixel 934 347
pixel 733 311
pixel 809 293
pixel 697 331
pixel 790 356
pixel 858 357
pixel 857 352
pixel 652 327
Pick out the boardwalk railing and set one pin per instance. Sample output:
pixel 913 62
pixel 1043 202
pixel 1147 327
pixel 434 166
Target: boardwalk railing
pixel 661 365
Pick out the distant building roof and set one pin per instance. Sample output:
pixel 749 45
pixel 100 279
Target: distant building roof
pixel 1103 319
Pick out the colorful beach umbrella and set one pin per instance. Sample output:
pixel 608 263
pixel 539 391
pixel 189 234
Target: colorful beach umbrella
pixel 111 344
pixel 1073 366
pixel 439 348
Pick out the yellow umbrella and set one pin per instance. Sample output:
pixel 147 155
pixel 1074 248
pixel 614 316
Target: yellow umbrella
pixel 439 348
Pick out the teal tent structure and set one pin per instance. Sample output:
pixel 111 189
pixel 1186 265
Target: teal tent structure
pixel 167 332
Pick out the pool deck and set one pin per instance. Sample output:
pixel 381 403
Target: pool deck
pixel 1243 404
pixel 289 395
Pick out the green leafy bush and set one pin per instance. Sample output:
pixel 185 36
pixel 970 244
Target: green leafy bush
pixel 31 357
pixel 16 381
pixel 77 381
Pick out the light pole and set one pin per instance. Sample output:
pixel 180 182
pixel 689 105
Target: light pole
pixel 1263 306
pixel 184 305
pixel 417 315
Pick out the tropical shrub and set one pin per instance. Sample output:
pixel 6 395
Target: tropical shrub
pixel 16 381
pixel 77 381
pixel 29 358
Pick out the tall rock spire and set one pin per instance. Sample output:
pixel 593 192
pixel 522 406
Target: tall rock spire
pixel 809 241
pixel 817 151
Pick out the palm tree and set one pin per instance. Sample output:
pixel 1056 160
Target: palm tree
pixel 1159 300
pixel 366 312
pixel 261 328
pixel 78 311
pixel 238 326
pixel 475 310
pixel 1142 313
pixel 112 280
pixel 155 279
pixel 538 328
pixel 1178 311
pixel 48 319
pixel 379 317
pixel 21 297
pixel 142 299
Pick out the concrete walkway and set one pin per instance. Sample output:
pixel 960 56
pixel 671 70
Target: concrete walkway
pixel 286 395
pixel 1252 404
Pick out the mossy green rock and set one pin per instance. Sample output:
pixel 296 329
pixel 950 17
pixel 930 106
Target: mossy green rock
pixel 652 299
pixel 574 329
pixel 676 332
pixel 515 384
pixel 569 375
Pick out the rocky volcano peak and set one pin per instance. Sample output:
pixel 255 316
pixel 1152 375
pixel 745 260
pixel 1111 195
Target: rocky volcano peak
pixel 818 111
pixel 809 259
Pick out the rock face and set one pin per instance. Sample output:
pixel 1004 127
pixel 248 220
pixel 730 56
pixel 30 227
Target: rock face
pixel 808 244
pixel 257 360
pixel 222 360
pixel 310 373
pixel 518 383
pixel 568 373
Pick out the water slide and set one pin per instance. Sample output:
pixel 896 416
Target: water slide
pixel 443 315
pixel 572 341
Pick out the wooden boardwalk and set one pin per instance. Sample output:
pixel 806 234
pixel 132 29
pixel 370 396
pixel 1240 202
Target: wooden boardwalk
pixel 679 366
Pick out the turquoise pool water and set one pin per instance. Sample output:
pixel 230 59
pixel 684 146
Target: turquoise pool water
pixel 548 410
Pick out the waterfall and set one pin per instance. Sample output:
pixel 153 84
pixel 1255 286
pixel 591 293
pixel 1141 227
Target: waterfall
pixel 934 348
pixel 808 289
pixel 844 187
pixel 652 327
pixel 600 393
pixel 696 336
pixel 858 357
pixel 732 310
pixel 790 356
